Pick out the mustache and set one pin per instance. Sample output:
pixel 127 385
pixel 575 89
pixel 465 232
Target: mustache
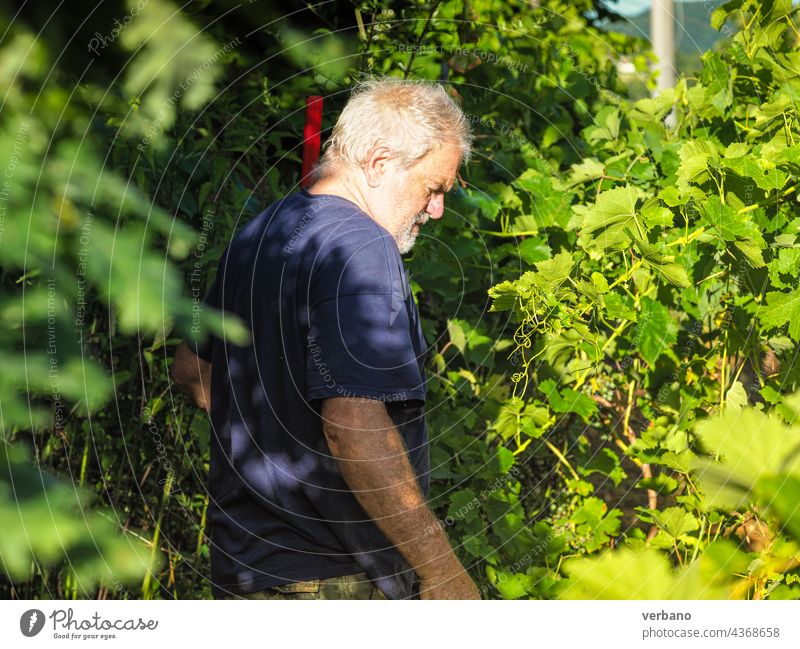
pixel 421 218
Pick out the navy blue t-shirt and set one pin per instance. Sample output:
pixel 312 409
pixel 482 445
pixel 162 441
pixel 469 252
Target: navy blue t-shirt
pixel 323 290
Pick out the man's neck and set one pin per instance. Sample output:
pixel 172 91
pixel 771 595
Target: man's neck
pixel 342 186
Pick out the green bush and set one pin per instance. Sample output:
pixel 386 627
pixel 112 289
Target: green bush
pixel 610 300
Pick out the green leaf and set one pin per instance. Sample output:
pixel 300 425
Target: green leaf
pixel 618 308
pixel 600 282
pixel 721 14
pixel 695 156
pixel 587 169
pixel 785 267
pixel 766 178
pixel 46 521
pixel 606 128
pixel 736 396
pixel 505 460
pixel 549 205
pixel 514 585
pixel 569 400
pixel 656 331
pixel 657 215
pixel 504 296
pixel 464 505
pixel 607 463
pixel 605 221
pixel 457 335
pixel 733 227
pixel 675 521
pixel 533 250
pixel 750 445
pixel 660 262
pixel 788 407
pixel 488 205
pixel 780 309
pixel 593 521
pixel 782 493
pixel 553 272
pixel 617 575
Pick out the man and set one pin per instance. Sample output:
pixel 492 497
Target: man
pixel 319 466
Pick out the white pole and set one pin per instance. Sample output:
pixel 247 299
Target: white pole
pixel 662 31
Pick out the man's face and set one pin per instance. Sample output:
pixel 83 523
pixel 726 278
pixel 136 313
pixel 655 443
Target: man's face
pixel 417 194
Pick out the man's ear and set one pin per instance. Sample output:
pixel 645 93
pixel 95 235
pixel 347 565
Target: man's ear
pixel 376 165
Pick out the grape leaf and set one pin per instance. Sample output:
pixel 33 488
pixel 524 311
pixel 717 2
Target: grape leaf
pixel 780 309
pixel 568 400
pixel 656 330
pixel 750 445
pixel 605 221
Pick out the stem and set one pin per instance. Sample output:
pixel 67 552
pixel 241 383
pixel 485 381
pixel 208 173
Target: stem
pixel 84 461
pixel 722 379
pixel 527 233
pixel 361 31
pixel 146 594
pixel 419 40
pixel 626 276
pixel 647 472
pixel 699 538
pixel 202 531
pixel 582 379
pixel 561 458
pixel 687 239
pixel 712 276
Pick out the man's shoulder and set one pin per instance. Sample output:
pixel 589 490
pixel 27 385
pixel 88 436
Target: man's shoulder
pixel 340 234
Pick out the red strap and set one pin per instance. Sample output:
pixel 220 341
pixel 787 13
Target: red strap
pixel 311 137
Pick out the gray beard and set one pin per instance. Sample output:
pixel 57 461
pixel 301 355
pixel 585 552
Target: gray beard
pixel 407 238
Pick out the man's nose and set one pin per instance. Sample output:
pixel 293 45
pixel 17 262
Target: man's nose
pixel 436 206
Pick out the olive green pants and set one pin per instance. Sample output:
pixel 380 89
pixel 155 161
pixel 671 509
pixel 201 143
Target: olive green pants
pixel 347 587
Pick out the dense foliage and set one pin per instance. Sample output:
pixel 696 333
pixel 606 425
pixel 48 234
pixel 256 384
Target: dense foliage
pixel 610 301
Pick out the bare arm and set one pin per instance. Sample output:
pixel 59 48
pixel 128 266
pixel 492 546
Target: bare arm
pixel 372 459
pixel 193 376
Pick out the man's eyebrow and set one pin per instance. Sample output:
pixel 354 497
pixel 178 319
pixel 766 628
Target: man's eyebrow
pixel 443 185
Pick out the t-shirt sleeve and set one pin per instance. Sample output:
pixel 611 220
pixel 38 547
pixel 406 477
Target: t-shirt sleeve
pixel 360 339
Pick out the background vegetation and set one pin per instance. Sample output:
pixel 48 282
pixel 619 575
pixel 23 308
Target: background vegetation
pixel 611 303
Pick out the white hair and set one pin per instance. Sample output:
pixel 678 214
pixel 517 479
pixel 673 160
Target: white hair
pixel 410 118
